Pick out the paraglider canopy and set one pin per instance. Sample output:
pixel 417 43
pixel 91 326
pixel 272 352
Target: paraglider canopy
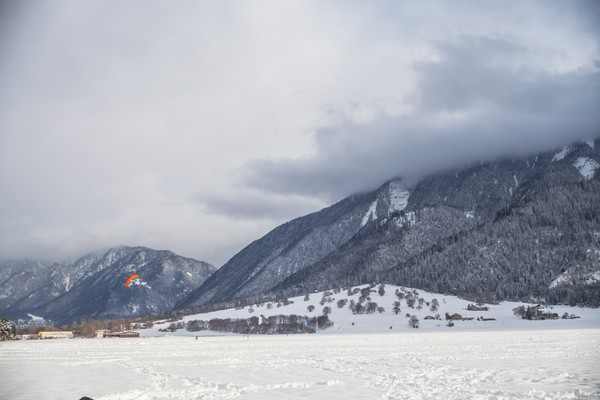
pixel 130 278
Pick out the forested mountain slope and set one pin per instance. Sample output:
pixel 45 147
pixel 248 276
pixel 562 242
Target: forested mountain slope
pixel 546 247
pixel 505 229
pixel 295 245
pixel 27 283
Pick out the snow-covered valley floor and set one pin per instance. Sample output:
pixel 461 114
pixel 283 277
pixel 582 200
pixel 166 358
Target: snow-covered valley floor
pixel 538 364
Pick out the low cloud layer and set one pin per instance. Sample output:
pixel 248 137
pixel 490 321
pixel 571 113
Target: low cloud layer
pixel 199 126
pixel 473 103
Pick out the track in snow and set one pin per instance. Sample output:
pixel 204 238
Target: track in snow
pixel 548 364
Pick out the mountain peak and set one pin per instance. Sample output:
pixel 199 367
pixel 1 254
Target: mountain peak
pixel 396 231
pixel 94 285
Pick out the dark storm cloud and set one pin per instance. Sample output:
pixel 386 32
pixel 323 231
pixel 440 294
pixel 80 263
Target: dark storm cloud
pixel 473 104
pixel 588 13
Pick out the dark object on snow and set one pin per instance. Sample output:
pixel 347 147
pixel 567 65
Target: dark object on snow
pixel 85 398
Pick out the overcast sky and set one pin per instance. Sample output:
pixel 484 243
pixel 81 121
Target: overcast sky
pixel 199 126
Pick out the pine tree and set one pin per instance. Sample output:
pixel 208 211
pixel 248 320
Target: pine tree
pixel 6 329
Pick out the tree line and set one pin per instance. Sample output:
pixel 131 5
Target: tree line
pixel 276 324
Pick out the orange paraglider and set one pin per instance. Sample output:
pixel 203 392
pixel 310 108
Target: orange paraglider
pixel 130 278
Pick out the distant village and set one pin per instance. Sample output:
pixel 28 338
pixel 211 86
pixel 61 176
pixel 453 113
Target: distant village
pixel 101 333
pixel 87 328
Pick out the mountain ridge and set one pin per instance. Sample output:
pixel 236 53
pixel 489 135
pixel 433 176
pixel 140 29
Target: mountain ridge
pixel 437 208
pixel 510 229
pixel 93 286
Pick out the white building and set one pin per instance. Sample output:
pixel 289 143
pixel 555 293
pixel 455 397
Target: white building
pixel 56 335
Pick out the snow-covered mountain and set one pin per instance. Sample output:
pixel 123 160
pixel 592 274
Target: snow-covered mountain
pixel 505 229
pixel 94 285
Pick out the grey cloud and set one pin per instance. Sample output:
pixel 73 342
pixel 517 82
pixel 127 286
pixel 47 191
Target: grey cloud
pixel 469 76
pixel 588 13
pixel 113 115
pixel 468 106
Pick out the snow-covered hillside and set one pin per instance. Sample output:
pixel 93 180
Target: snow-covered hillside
pixel 385 319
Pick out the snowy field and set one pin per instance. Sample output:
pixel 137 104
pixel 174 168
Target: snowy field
pixel 540 364
pixel 362 356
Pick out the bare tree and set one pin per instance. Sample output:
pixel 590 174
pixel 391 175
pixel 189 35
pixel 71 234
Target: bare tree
pixel 413 321
pixel 434 305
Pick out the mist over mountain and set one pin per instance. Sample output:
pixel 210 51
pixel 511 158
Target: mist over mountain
pixel 511 229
